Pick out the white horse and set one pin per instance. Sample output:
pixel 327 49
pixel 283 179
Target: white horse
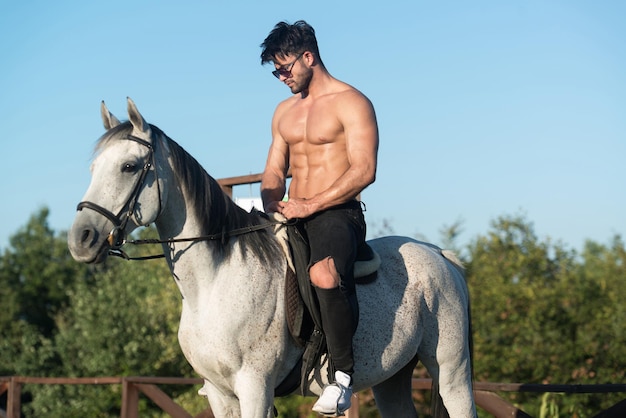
pixel 232 328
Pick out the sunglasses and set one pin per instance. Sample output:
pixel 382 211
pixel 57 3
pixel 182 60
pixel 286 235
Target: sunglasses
pixel 285 70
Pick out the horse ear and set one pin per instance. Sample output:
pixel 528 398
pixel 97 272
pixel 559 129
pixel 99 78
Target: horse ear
pixel 139 123
pixel 109 120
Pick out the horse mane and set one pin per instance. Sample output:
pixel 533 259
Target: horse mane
pixel 216 210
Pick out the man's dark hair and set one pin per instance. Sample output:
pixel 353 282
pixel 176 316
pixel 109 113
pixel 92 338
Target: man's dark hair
pixel 286 39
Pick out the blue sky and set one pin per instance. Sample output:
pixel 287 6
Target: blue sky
pixel 485 108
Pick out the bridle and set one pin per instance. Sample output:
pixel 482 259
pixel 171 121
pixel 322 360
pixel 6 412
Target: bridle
pixel 117 237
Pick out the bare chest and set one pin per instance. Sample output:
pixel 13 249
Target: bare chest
pixel 311 124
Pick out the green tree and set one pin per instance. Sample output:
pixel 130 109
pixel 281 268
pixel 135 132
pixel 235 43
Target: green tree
pixel 540 315
pixel 36 272
pixel 600 315
pixel 122 321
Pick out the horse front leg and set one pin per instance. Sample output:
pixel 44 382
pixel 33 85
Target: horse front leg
pixel 256 396
pixel 222 405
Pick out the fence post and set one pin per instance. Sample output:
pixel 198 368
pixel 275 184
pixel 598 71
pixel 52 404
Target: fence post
pixel 14 398
pixel 130 399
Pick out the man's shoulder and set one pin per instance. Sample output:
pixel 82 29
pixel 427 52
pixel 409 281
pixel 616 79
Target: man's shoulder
pixel 285 104
pixel 350 99
pixel 346 92
pixel 288 101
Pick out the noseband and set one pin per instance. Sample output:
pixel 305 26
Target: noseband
pixel 117 237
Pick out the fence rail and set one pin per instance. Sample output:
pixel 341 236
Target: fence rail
pixel 133 386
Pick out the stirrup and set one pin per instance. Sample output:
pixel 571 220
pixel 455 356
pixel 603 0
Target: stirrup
pixel 336 397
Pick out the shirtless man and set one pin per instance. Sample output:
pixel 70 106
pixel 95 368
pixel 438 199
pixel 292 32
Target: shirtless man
pixel 327 134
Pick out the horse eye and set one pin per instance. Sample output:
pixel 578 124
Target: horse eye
pixel 129 168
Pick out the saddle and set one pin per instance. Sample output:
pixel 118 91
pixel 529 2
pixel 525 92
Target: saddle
pixel 301 306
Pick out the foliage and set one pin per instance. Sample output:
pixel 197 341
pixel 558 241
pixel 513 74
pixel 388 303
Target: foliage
pixel 122 324
pixel 35 274
pixel 295 406
pixel 68 320
pixel 542 313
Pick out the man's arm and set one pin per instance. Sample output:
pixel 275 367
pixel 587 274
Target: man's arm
pixel 361 136
pixel 273 182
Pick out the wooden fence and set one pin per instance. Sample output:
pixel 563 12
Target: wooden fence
pixel 133 387
pixel 228 183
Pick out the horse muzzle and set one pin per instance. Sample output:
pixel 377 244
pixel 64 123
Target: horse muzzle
pixel 86 245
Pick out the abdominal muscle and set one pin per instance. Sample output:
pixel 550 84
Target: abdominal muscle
pixel 315 173
pixel 317 146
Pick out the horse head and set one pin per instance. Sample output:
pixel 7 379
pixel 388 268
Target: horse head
pixel 125 190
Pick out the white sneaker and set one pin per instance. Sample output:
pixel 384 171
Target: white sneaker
pixel 336 397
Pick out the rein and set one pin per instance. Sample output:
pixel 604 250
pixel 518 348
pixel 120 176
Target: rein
pixel 223 236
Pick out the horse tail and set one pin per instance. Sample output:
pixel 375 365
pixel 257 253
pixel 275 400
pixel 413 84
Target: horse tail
pixel 458 264
pixel 437 406
pixel 438 410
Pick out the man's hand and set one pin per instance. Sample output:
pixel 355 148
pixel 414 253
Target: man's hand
pixel 297 208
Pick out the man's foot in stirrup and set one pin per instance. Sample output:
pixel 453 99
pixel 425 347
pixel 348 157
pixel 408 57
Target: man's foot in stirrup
pixel 336 397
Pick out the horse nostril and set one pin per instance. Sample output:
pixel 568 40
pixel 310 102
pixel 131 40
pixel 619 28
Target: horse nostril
pixel 84 238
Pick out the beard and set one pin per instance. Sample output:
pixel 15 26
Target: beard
pixel 302 84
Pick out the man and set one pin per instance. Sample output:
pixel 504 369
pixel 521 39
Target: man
pixel 327 134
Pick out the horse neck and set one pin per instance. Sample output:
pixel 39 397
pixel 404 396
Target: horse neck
pixel 199 268
pixel 185 185
pixel 198 212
